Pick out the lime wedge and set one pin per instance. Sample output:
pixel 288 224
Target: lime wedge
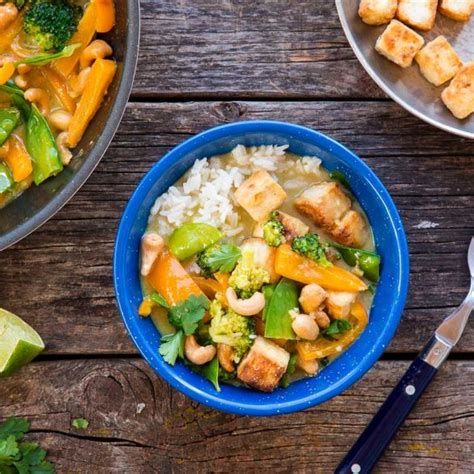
pixel 19 343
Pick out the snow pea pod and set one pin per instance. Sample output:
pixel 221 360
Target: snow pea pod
pixel 6 179
pixel 368 262
pixel 9 119
pixel 42 147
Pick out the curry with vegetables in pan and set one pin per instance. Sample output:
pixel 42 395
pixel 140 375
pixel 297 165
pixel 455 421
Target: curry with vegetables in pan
pixel 258 268
pixel 54 75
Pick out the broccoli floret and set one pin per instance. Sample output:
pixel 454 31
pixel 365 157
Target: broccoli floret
pixel 246 278
pixel 228 327
pixel 310 246
pixel 51 23
pixel 220 257
pixel 273 231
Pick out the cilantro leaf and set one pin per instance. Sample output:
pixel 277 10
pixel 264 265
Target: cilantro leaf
pixel 158 299
pixel 336 328
pixel 172 346
pixel 187 314
pixel 43 468
pixel 80 423
pixel 218 258
pixel 14 426
pixel 211 372
pixel 8 449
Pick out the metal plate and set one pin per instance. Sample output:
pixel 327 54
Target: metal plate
pixel 36 205
pixel 407 86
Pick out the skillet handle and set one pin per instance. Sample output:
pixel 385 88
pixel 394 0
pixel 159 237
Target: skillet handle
pixel 380 431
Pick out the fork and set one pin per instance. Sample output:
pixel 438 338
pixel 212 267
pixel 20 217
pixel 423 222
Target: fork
pixel 371 444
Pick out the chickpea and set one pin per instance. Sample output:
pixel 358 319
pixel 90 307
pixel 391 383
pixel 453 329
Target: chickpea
pixel 311 297
pixel 248 307
pixel 321 318
pixel 21 81
pixel 197 354
pixel 305 327
pixel 60 119
pixel 8 14
pixel 97 49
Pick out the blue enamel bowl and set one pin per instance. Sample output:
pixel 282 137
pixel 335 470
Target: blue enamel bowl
pixel 389 236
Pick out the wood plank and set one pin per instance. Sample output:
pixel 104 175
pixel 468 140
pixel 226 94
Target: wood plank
pixel 278 48
pixel 65 290
pixel 139 424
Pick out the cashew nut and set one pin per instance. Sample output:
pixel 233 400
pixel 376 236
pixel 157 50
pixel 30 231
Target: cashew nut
pixel 152 245
pixel 321 318
pixel 305 327
pixel 225 354
pixel 248 307
pixel 197 354
pixel 8 13
pixel 309 366
pixel 39 97
pixel 60 119
pixel 64 151
pixel 97 49
pixel 78 83
pixel 24 68
pixel 21 81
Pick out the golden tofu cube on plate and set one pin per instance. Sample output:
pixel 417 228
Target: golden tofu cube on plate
pixel 420 14
pixel 399 44
pixel 459 95
pixel 259 195
pixel 438 61
pixel 459 10
pixel 377 12
pixel 264 365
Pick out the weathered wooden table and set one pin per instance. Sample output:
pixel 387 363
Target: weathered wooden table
pixel 203 63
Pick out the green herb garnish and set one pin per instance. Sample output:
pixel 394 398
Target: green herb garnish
pixel 17 456
pixel 45 58
pixel 187 314
pixel 218 258
pixel 172 347
pixel 336 328
pixel 80 423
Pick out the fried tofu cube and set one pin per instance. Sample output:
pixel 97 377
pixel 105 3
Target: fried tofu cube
pixel 264 365
pixel 438 61
pixel 339 303
pixel 293 227
pixel 325 203
pixel 420 14
pixel 459 10
pixel 459 95
pixel 351 230
pixel 259 195
pixel 377 12
pixel 263 256
pixel 399 44
pixel 312 297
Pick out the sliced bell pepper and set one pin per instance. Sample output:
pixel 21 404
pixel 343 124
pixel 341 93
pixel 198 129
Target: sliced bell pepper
pixel 18 159
pixel 309 350
pixel 7 36
pixel 105 19
pixel 6 72
pixel 209 286
pixel 145 307
pixel 170 279
pixel 296 267
pixel 84 34
pixel 60 87
pixel 100 77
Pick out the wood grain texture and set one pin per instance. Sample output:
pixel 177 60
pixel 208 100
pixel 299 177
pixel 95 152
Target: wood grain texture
pixel 234 48
pixel 59 278
pixel 139 424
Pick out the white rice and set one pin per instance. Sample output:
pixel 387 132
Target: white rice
pixel 206 192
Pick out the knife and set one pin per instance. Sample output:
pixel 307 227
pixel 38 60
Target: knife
pixel 371 444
